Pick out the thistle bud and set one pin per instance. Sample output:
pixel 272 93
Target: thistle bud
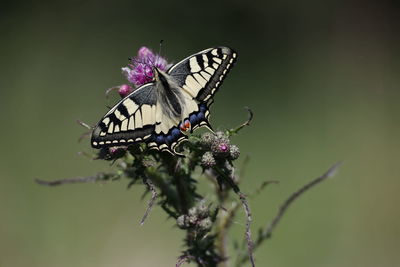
pixel 208 160
pixel 220 147
pixel 207 139
pixel 192 211
pixel 117 151
pixel 222 136
pixel 202 211
pixel 111 153
pixel 182 222
pixel 125 90
pixel 205 224
pixel 234 152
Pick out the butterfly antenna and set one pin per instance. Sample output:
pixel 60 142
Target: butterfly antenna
pixel 134 60
pixel 159 49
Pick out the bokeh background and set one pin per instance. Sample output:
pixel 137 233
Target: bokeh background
pixel 321 76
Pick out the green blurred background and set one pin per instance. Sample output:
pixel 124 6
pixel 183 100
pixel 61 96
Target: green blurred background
pixel 321 76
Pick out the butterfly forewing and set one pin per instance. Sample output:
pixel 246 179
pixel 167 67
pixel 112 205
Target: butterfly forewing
pixel 201 74
pixel 132 120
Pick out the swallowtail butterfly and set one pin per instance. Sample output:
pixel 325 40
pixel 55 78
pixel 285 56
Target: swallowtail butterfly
pixel 175 102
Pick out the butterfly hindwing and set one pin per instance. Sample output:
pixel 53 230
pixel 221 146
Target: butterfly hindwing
pixel 166 135
pixel 201 74
pixel 132 120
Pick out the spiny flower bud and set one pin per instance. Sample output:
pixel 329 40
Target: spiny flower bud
pixel 182 222
pixel 192 220
pixel 192 216
pixel 208 160
pixel 111 153
pixel 207 139
pixel 222 136
pixel 125 90
pixel 220 147
pixel 117 151
pixel 192 211
pixel 205 224
pixel 202 211
pixel 197 217
pixel 234 152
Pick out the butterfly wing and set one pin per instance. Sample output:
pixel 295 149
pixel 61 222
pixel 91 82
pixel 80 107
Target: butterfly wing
pixel 139 117
pixel 131 120
pixel 200 75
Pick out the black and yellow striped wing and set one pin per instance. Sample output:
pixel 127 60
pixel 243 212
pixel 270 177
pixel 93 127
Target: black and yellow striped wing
pixel 131 120
pixel 201 74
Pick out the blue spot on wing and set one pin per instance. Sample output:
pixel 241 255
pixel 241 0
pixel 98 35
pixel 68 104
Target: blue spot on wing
pixel 170 139
pixel 203 107
pixel 201 116
pixel 160 139
pixel 193 119
pixel 176 133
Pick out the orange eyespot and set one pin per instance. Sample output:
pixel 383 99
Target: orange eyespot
pixel 187 124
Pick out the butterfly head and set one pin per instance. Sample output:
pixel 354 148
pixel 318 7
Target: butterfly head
pixel 156 76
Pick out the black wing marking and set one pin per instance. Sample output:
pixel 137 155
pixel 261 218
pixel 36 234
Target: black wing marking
pixel 131 120
pixel 201 74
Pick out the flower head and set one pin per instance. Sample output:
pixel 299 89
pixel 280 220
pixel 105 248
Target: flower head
pixel 221 145
pixel 208 160
pixel 198 217
pixel 141 68
pixel 234 152
pixel 145 53
pixel 124 90
pixel 207 139
pixel 112 153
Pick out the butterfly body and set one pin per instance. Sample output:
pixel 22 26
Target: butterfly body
pixel 163 111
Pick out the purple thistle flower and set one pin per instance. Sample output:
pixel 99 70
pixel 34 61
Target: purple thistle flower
pixel 223 148
pixel 117 151
pixel 140 70
pixel 145 53
pixel 220 146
